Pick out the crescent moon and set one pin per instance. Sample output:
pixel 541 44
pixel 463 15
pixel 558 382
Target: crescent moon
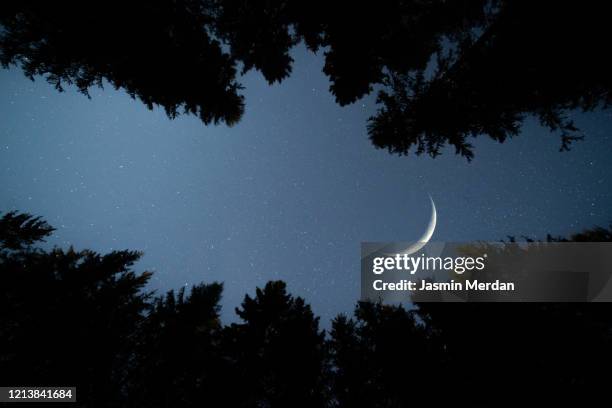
pixel 427 235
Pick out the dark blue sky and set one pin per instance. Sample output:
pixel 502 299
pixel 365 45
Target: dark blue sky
pixel 289 193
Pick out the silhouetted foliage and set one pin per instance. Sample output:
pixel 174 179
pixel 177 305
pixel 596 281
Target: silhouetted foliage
pixel 447 70
pixel 66 316
pixel 179 361
pixel 279 351
pixel 381 354
pixel 506 354
pixel 595 234
pixel 80 318
pixel 519 58
pixel 18 231
pixel 159 52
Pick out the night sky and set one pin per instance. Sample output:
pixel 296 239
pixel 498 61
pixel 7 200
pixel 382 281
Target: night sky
pixel 289 193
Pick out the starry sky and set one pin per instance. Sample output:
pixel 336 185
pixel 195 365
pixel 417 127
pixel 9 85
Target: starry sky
pixel 288 193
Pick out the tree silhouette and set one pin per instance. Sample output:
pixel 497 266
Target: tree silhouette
pixel 520 58
pixel 18 231
pixel 179 362
pixel 446 71
pixel 66 316
pixel 545 353
pixel 161 53
pixel 381 354
pixel 516 354
pixel 83 319
pixel 278 350
pixel 595 234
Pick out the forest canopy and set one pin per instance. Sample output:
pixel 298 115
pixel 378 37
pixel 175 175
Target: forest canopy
pixel 80 318
pixel 445 71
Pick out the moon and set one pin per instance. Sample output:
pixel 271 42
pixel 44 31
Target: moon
pixel 426 235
